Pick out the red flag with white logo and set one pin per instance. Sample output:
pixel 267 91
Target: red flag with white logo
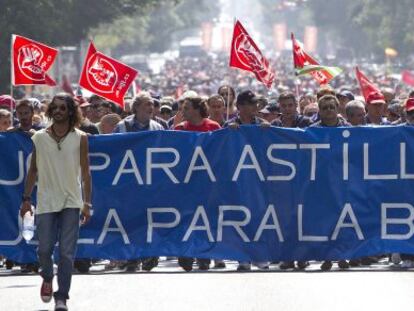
pixel 367 87
pixel 302 59
pixel 407 77
pixel 105 76
pixel 245 54
pixel 30 62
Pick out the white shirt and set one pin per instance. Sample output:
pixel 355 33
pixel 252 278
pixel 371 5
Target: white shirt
pixel 59 172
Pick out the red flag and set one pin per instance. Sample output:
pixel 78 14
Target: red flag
pixel 179 91
pixel 246 55
pixel 407 77
pixel 105 76
pixel 66 86
pixel 367 87
pixel 302 59
pixel 30 62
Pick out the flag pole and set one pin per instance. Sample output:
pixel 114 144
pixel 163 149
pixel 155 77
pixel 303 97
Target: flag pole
pixel 12 106
pixel 228 86
pixel 228 103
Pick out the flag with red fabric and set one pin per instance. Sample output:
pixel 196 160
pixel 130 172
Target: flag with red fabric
pixel 30 61
pixel 306 64
pixel 245 54
pixel 105 76
pixel 407 77
pixel 367 87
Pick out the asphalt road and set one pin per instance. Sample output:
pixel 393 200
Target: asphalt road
pixel 168 288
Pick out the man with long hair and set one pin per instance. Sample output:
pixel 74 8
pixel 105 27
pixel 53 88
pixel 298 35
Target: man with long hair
pixel 60 164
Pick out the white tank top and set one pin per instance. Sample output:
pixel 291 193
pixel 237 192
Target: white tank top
pixel 59 172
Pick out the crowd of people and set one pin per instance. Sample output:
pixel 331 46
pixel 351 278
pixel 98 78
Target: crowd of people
pixel 205 95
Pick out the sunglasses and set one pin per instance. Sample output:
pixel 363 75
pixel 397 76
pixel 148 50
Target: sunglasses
pixel 61 108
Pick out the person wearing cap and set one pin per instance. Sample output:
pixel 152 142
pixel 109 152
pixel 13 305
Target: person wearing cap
pixel 409 109
pixel 289 113
pixel 165 113
pixel 375 109
pixel 7 102
pixel 344 97
pixel 247 106
pixel 270 112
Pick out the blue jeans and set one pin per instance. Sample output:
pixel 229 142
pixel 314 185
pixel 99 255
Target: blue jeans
pixel 61 226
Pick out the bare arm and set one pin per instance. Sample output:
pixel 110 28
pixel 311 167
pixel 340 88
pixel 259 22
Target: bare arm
pixel 86 178
pixel 29 185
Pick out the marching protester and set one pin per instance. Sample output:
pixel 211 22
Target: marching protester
pixel 355 112
pixel 25 113
pixel 217 109
pixel 289 116
pixel 329 117
pixel 141 120
pixel 59 161
pixel 246 104
pixel 5 120
pixel 195 113
pixel 375 109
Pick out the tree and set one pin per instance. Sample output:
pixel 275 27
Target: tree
pixel 154 31
pixel 58 22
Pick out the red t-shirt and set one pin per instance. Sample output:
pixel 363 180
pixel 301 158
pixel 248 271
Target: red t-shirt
pixel 207 126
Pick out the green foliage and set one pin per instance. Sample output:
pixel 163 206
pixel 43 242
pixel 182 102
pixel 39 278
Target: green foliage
pixel 156 30
pixel 368 26
pixel 57 22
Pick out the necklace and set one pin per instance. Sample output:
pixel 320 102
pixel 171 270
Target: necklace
pixel 59 139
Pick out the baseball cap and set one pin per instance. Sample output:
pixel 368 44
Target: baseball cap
pixel 188 94
pixel 272 107
pixel 165 108
pixel 246 96
pixel 375 98
pixel 347 94
pixel 7 101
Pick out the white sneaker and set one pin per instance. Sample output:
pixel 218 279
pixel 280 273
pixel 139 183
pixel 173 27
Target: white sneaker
pixel 395 258
pixel 407 264
pixel 60 306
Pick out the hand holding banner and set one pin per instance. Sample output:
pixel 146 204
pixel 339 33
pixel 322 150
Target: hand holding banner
pixel 30 62
pixel 105 76
pixel 245 54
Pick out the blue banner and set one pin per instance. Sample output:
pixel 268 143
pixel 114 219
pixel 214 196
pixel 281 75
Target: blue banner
pixel 248 194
